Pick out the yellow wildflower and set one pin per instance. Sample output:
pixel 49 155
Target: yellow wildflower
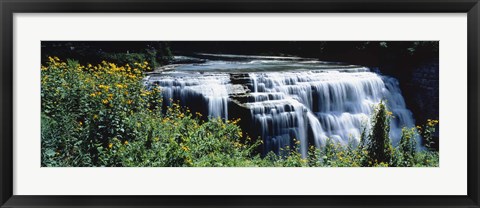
pixel 431 122
pixel 236 121
pixel 110 145
pixel 389 113
pixel 104 87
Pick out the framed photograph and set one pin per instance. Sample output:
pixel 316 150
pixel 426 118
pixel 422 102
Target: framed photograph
pixel 248 104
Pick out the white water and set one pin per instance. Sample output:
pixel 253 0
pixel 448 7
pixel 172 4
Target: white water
pixel 211 89
pixel 307 101
pixel 336 105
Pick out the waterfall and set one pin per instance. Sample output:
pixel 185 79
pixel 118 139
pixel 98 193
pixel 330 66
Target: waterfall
pixel 306 101
pixel 210 91
pixel 336 105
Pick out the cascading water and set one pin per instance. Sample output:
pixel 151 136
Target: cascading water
pixel 335 104
pixel 209 90
pixel 306 100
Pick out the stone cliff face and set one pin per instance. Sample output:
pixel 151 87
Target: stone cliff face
pixel 423 91
pixel 419 83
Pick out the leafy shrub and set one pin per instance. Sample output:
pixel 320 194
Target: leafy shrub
pixel 407 146
pixel 132 59
pixel 427 132
pixel 93 104
pixel 379 147
pixel 103 116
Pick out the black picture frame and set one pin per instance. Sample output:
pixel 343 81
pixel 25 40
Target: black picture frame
pixel 10 7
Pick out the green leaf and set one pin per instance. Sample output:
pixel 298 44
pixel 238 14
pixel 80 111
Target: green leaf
pixel 50 153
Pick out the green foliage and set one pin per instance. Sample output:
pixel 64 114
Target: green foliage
pixel 179 140
pixel 422 47
pixel 120 52
pixel 103 116
pixel 427 132
pixel 426 159
pixel 407 147
pixel 379 147
pixel 156 54
pixel 61 143
pixel 160 52
pixel 84 107
pixel 130 59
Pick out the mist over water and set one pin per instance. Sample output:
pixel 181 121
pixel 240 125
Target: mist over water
pixel 286 98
